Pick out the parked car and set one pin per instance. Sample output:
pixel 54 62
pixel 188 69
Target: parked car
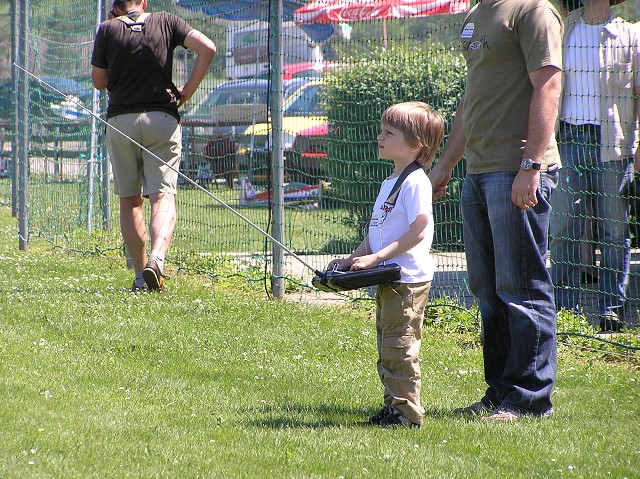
pixel 306 159
pixel 308 69
pixel 211 127
pixel 247 52
pixel 58 125
pixel 303 110
pixel 47 106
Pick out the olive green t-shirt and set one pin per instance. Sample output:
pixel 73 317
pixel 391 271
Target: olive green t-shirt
pixel 502 43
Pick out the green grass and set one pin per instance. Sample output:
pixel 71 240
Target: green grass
pixel 203 381
pixel 58 211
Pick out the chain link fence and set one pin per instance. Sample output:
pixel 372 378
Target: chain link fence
pixel 330 117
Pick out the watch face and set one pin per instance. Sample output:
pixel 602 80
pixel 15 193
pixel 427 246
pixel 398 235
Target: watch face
pixel 526 163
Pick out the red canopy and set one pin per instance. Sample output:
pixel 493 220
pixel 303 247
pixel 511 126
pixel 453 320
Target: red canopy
pixel 338 11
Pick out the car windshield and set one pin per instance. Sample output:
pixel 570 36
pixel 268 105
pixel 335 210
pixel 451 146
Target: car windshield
pixel 230 97
pixel 308 102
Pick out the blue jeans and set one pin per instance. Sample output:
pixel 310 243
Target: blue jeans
pixel 583 178
pixel 506 250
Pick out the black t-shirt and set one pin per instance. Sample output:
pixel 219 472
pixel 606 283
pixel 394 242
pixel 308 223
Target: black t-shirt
pixel 135 84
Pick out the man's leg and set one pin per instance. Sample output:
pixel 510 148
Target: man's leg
pixel 161 228
pixel 163 221
pixel 480 254
pixel 126 162
pixel 506 249
pixel 569 209
pixel 614 238
pixel 524 284
pixel 133 230
pixel 164 140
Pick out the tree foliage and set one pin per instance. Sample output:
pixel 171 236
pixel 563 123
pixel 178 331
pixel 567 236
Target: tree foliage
pixel 356 98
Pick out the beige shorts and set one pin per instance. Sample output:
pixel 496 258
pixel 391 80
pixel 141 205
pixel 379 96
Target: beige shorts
pixel 136 171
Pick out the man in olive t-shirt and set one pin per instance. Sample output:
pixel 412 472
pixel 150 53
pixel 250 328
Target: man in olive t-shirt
pixel 505 127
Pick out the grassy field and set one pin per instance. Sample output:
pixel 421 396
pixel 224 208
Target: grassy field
pixel 202 381
pixel 59 210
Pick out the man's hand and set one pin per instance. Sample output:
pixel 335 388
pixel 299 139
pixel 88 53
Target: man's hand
pixel 184 97
pixel 439 178
pixel 524 188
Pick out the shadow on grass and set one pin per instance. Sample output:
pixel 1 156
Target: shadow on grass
pixel 305 416
pixel 302 416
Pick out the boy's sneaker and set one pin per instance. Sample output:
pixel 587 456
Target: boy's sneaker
pixel 395 419
pixel 152 276
pixel 137 289
pixel 476 409
pixel 374 420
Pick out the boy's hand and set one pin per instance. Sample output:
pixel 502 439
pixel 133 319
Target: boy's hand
pixel 365 262
pixel 342 263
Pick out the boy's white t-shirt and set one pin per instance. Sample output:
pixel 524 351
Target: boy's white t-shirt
pixel 385 227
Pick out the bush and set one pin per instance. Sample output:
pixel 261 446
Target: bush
pixel 356 98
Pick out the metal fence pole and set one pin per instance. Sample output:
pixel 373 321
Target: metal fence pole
pixel 15 39
pixel 275 74
pixel 23 128
pixel 105 174
pixel 94 157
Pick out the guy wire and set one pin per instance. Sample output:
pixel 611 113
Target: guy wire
pixel 185 177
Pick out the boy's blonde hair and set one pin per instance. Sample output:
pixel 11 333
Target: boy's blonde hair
pixel 421 126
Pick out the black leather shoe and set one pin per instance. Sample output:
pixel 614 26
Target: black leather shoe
pixel 395 419
pixel 374 420
pixel 609 324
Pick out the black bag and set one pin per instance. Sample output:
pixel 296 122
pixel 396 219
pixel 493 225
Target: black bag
pixel 336 280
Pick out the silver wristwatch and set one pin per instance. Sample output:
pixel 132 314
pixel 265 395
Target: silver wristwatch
pixel 529 164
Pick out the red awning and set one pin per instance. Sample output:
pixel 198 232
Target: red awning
pixel 338 11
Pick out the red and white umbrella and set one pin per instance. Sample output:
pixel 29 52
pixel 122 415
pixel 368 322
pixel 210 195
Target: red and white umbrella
pixel 339 11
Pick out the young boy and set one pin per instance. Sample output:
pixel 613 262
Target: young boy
pixel 401 233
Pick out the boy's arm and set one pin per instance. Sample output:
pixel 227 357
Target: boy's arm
pixel 345 263
pixel 411 238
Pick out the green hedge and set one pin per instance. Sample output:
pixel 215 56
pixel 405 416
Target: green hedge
pixel 356 98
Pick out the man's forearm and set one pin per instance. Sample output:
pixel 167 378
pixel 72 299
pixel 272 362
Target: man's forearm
pixel 636 113
pixel 453 150
pixel 205 51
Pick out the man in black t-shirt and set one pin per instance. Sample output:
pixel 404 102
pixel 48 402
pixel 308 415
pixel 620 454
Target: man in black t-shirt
pixel 132 58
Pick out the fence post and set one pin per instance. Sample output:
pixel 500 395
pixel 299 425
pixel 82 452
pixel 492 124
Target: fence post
pixel 15 39
pixel 23 127
pixel 275 73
